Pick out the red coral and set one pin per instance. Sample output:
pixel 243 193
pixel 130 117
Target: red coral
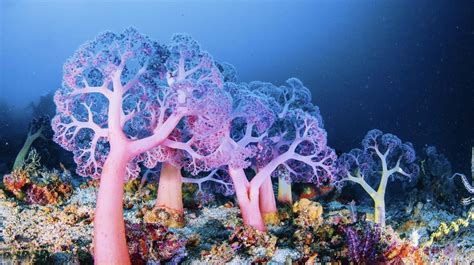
pixel 153 243
pixel 15 181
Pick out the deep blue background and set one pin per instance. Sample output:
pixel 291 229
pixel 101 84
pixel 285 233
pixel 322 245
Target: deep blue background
pixel 405 67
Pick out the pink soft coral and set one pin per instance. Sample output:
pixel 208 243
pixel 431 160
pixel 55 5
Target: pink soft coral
pixel 122 96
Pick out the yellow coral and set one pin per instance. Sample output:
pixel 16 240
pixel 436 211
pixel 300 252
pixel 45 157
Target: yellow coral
pixel 165 216
pixel 271 218
pixel 309 213
pixel 444 229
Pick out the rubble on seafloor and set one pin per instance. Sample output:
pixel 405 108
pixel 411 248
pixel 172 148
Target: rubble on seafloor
pixel 313 232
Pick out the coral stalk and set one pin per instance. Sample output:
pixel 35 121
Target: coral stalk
pixel 284 191
pixel 268 203
pixel 30 139
pixel 109 225
pixel 248 202
pixel 377 196
pixel 379 210
pixel 169 189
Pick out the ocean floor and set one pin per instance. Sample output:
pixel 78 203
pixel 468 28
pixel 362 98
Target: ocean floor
pixel 308 232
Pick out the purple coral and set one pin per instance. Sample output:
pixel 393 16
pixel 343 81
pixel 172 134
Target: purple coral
pixel 215 181
pixel 437 164
pixel 293 96
pixel 383 156
pixel 363 244
pixel 436 177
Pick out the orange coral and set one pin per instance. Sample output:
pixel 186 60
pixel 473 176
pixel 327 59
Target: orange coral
pixel 15 181
pixel 404 253
pixel 309 213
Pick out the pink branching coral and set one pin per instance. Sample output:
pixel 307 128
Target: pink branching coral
pixel 249 132
pixel 122 96
pixel 216 181
pixel 294 96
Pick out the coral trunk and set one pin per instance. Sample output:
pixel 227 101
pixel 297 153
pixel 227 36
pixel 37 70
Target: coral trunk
pixel 20 158
pixel 169 189
pixel 284 191
pixel 110 246
pixel 248 203
pixel 379 214
pixel 268 203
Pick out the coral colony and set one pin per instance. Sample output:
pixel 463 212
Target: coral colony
pixel 130 108
pixel 383 156
pixel 127 100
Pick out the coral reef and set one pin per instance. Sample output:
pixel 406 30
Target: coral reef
pixel 455 225
pixel 45 228
pixel 190 166
pixel 218 254
pixel 314 232
pixel 34 184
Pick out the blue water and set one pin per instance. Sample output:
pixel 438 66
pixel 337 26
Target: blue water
pixel 403 67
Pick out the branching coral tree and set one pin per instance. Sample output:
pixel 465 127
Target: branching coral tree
pixel 122 96
pixel 383 156
pixel 180 149
pixel 247 134
pixel 299 150
pixel 211 183
pixel 283 99
pixel 235 144
pixel 36 131
pixel 185 149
